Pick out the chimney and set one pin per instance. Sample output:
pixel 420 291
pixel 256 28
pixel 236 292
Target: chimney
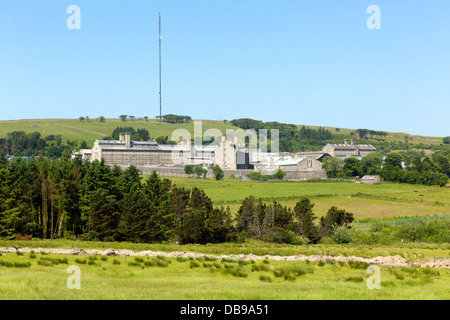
pixel 236 141
pixel 121 136
pixel 353 142
pixel 127 140
pixel 346 142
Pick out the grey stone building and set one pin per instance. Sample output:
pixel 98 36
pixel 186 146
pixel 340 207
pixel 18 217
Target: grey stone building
pixel 348 150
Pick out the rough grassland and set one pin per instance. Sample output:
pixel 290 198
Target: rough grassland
pixel 387 200
pixel 74 130
pixel 198 280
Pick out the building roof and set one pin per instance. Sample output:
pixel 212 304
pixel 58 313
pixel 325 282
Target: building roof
pixel 289 162
pixel 318 155
pixel 115 145
pixel 370 177
pixel 345 147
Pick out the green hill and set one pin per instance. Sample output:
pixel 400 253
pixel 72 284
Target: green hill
pixel 77 131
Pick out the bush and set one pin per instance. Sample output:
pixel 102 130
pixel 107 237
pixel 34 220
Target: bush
pixel 279 235
pixel 155 262
pixel 264 278
pixel 87 237
pixel 354 279
pixel 180 259
pixel 256 267
pixel 235 272
pixel 6 264
pixel 22 264
pixel 326 240
pixel 341 235
pixel 45 263
pixel 210 259
pixel 116 262
pixel 358 264
pixel 52 261
pixel 134 264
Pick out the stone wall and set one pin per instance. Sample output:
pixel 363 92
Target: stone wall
pixel 179 172
pixel 305 175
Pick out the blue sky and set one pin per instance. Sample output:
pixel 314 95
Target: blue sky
pixel 311 62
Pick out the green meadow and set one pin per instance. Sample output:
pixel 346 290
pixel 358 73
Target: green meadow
pixel 38 276
pixel 388 200
pixel 76 130
pixel 42 277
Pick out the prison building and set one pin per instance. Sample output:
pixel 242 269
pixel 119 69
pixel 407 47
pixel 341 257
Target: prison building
pixel 348 150
pixel 124 152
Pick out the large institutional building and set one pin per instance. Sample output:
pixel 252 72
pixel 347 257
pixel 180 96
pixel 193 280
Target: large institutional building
pixel 233 158
pixel 124 152
pixel 348 150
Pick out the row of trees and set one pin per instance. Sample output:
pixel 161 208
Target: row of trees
pixel 426 171
pixel 199 171
pixel 125 118
pixel 173 118
pixel 136 135
pixel 71 198
pixel 291 138
pixel 352 167
pixel 365 133
pixel 87 119
pixel 19 143
pixel 276 222
pixel 413 168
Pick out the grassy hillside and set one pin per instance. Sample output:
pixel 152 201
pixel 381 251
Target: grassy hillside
pixel 75 130
pixel 387 200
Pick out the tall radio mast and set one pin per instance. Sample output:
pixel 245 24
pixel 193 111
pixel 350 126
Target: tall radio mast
pixel 160 91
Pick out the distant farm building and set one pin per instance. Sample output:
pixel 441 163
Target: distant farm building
pixel 370 180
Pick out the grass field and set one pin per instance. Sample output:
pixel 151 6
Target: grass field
pixel 42 277
pixel 387 200
pixel 101 278
pixel 75 130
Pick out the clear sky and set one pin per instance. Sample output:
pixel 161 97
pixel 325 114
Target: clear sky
pixel 311 62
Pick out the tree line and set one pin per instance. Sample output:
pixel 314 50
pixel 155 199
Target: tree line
pixel 365 133
pixel 279 223
pixel 291 138
pixel 20 143
pixel 64 198
pixel 173 118
pixel 136 135
pixel 412 168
